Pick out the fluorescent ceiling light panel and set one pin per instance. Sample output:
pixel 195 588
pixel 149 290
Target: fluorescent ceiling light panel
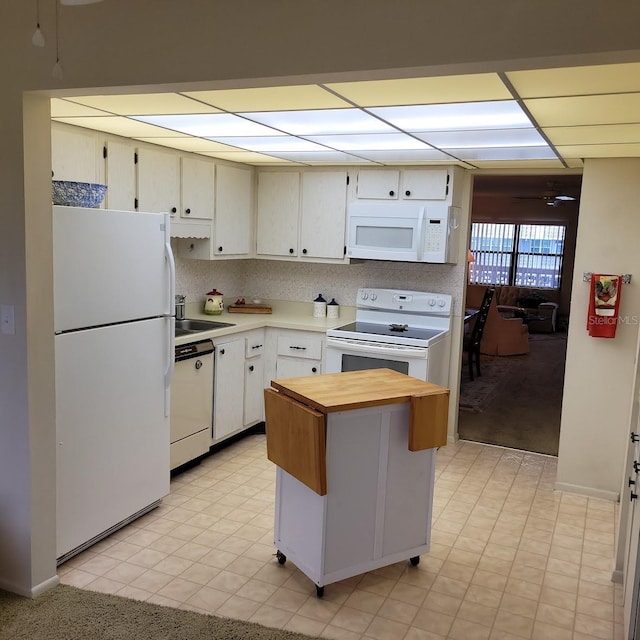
pixel 210 125
pixel 370 141
pixel 320 157
pixel 594 134
pixel 576 81
pixel 483 138
pixel 268 144
pixel 518 164
pixel 319 122
pixel 448 117
pixel 247 157
pixel 188 143
pixel 270 98
pixel 121 126
pixel 405 91
pixel 585 110
pixel 508 153
pixel 145 104
pixel 407 156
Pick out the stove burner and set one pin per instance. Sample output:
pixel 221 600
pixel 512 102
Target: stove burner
pixel 399 327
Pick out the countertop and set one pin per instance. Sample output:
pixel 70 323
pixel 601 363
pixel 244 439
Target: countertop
pixel 355 389
pixel 286 315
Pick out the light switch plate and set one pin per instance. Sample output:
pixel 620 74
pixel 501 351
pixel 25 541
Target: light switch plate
pixel 7 319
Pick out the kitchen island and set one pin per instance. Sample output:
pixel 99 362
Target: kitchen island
pixel 355 456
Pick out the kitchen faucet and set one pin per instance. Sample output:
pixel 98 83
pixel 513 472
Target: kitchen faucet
pixel 179 303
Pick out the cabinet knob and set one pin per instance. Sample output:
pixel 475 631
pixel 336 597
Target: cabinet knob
pixel 392 193
pixel 173 209
pixel 220 249
pixel 407 192
pixel 314 370
pixel 187 211
pixel 251 368
pixel 290 250
pixel 221 352
pixel 304 251
pixel 631 482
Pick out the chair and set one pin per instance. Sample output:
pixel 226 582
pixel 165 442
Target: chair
pixel 471 344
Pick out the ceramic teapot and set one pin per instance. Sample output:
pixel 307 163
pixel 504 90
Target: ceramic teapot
pixel 213 304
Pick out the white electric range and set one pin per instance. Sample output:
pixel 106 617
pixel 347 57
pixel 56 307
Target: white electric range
pixel 407 331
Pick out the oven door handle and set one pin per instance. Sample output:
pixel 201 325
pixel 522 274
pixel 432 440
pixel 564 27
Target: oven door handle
pixel 419 353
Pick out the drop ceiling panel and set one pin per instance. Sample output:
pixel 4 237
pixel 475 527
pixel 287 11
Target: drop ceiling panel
pixel 575 81
pixel 120 126
pixel 270 98
pixel 522 165
pixel 585 110
pixel 268 144
pixel 485 138
pixel 507 153
pixel 210 125
pixel 320 157
pixel 248 157
pixel 631 150
pixel 594 134
pixel 407 156
pixel 145 103
pixel 407 91
pixel 371 141
pixel 65 109
pixel 190 144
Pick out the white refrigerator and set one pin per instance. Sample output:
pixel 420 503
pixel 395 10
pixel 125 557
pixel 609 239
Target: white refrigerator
pixel 114 284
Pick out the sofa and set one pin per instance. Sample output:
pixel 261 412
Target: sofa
pixel 538 307
pixel 502 336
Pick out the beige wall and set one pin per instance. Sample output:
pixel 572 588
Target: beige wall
pixel 599 374
pixel 121 43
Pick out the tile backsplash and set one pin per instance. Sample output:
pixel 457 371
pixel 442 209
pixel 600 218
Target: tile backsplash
pixel 303 281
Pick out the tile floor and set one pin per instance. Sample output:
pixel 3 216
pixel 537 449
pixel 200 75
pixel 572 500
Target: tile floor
pixel 510 557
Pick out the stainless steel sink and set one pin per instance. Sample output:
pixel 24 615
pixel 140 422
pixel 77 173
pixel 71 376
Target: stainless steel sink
pixel 187 326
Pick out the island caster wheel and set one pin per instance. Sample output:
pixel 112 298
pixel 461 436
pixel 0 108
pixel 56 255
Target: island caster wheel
pixel 281 557
pixel 415 561
pixel 319 591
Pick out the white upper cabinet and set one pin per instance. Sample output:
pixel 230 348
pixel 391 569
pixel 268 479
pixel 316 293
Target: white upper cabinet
pixel 197 189
pixel 302 215
pixel 232 233
pixel 323 214
pixel 278 208
pixel 409 184
pixel 120 172
pixel 76 154
pixel 158 181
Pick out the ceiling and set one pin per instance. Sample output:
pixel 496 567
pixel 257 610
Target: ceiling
pixel 548 119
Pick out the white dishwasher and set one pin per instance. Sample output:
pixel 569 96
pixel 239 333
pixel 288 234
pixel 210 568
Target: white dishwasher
pixel 191 401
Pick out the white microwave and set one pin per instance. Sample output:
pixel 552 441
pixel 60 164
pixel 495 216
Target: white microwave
pixel 407 232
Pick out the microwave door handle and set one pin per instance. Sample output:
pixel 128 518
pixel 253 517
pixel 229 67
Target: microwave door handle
pixel 420 233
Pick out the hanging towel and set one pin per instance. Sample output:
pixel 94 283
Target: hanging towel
pixel 604 303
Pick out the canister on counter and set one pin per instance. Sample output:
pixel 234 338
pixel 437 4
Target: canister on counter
pixel 333 309
pixel 319 307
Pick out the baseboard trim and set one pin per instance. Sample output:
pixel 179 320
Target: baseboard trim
pixel 612 496
pixel 34 592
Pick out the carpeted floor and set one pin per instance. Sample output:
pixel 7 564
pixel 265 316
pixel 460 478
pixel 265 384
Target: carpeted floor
pixel 520 404
pixel 67 613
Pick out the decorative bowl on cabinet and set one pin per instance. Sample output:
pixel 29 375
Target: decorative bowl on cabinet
pixel 78 194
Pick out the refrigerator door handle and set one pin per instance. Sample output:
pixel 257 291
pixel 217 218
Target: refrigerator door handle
pixel 172 264
pixel 168 374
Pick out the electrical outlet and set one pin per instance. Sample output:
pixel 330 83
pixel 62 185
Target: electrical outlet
pixel 7 319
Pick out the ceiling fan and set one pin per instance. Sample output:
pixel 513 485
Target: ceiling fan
pixel 552 196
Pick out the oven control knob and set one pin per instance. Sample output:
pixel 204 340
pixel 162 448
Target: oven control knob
pixel 374 296
pixel 441 302
pixel 365 295
pixel 432 302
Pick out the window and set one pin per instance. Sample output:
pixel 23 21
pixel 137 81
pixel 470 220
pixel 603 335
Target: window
pixel 526 255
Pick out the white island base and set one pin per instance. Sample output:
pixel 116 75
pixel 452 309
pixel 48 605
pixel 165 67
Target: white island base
pixel 378 505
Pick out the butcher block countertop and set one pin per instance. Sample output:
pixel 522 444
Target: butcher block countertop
pixel 354 389
pixel 297 410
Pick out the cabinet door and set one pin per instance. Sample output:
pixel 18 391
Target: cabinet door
pixel 74 154
pixel 378 185
pixel 158 181
pixel 197 189
pixel 120 172
pixel 234 211
pixel 253 391
pixel 425 184
pixel 323 215
pixel 228 398
pixel 278 206
pixel 294 368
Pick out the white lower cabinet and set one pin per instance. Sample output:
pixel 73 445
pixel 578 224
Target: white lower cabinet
pixel 228 397
pixel 298 353
pixel 254 378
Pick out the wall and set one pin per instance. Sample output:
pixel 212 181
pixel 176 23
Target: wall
pixel 599 373
pixel 212 45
